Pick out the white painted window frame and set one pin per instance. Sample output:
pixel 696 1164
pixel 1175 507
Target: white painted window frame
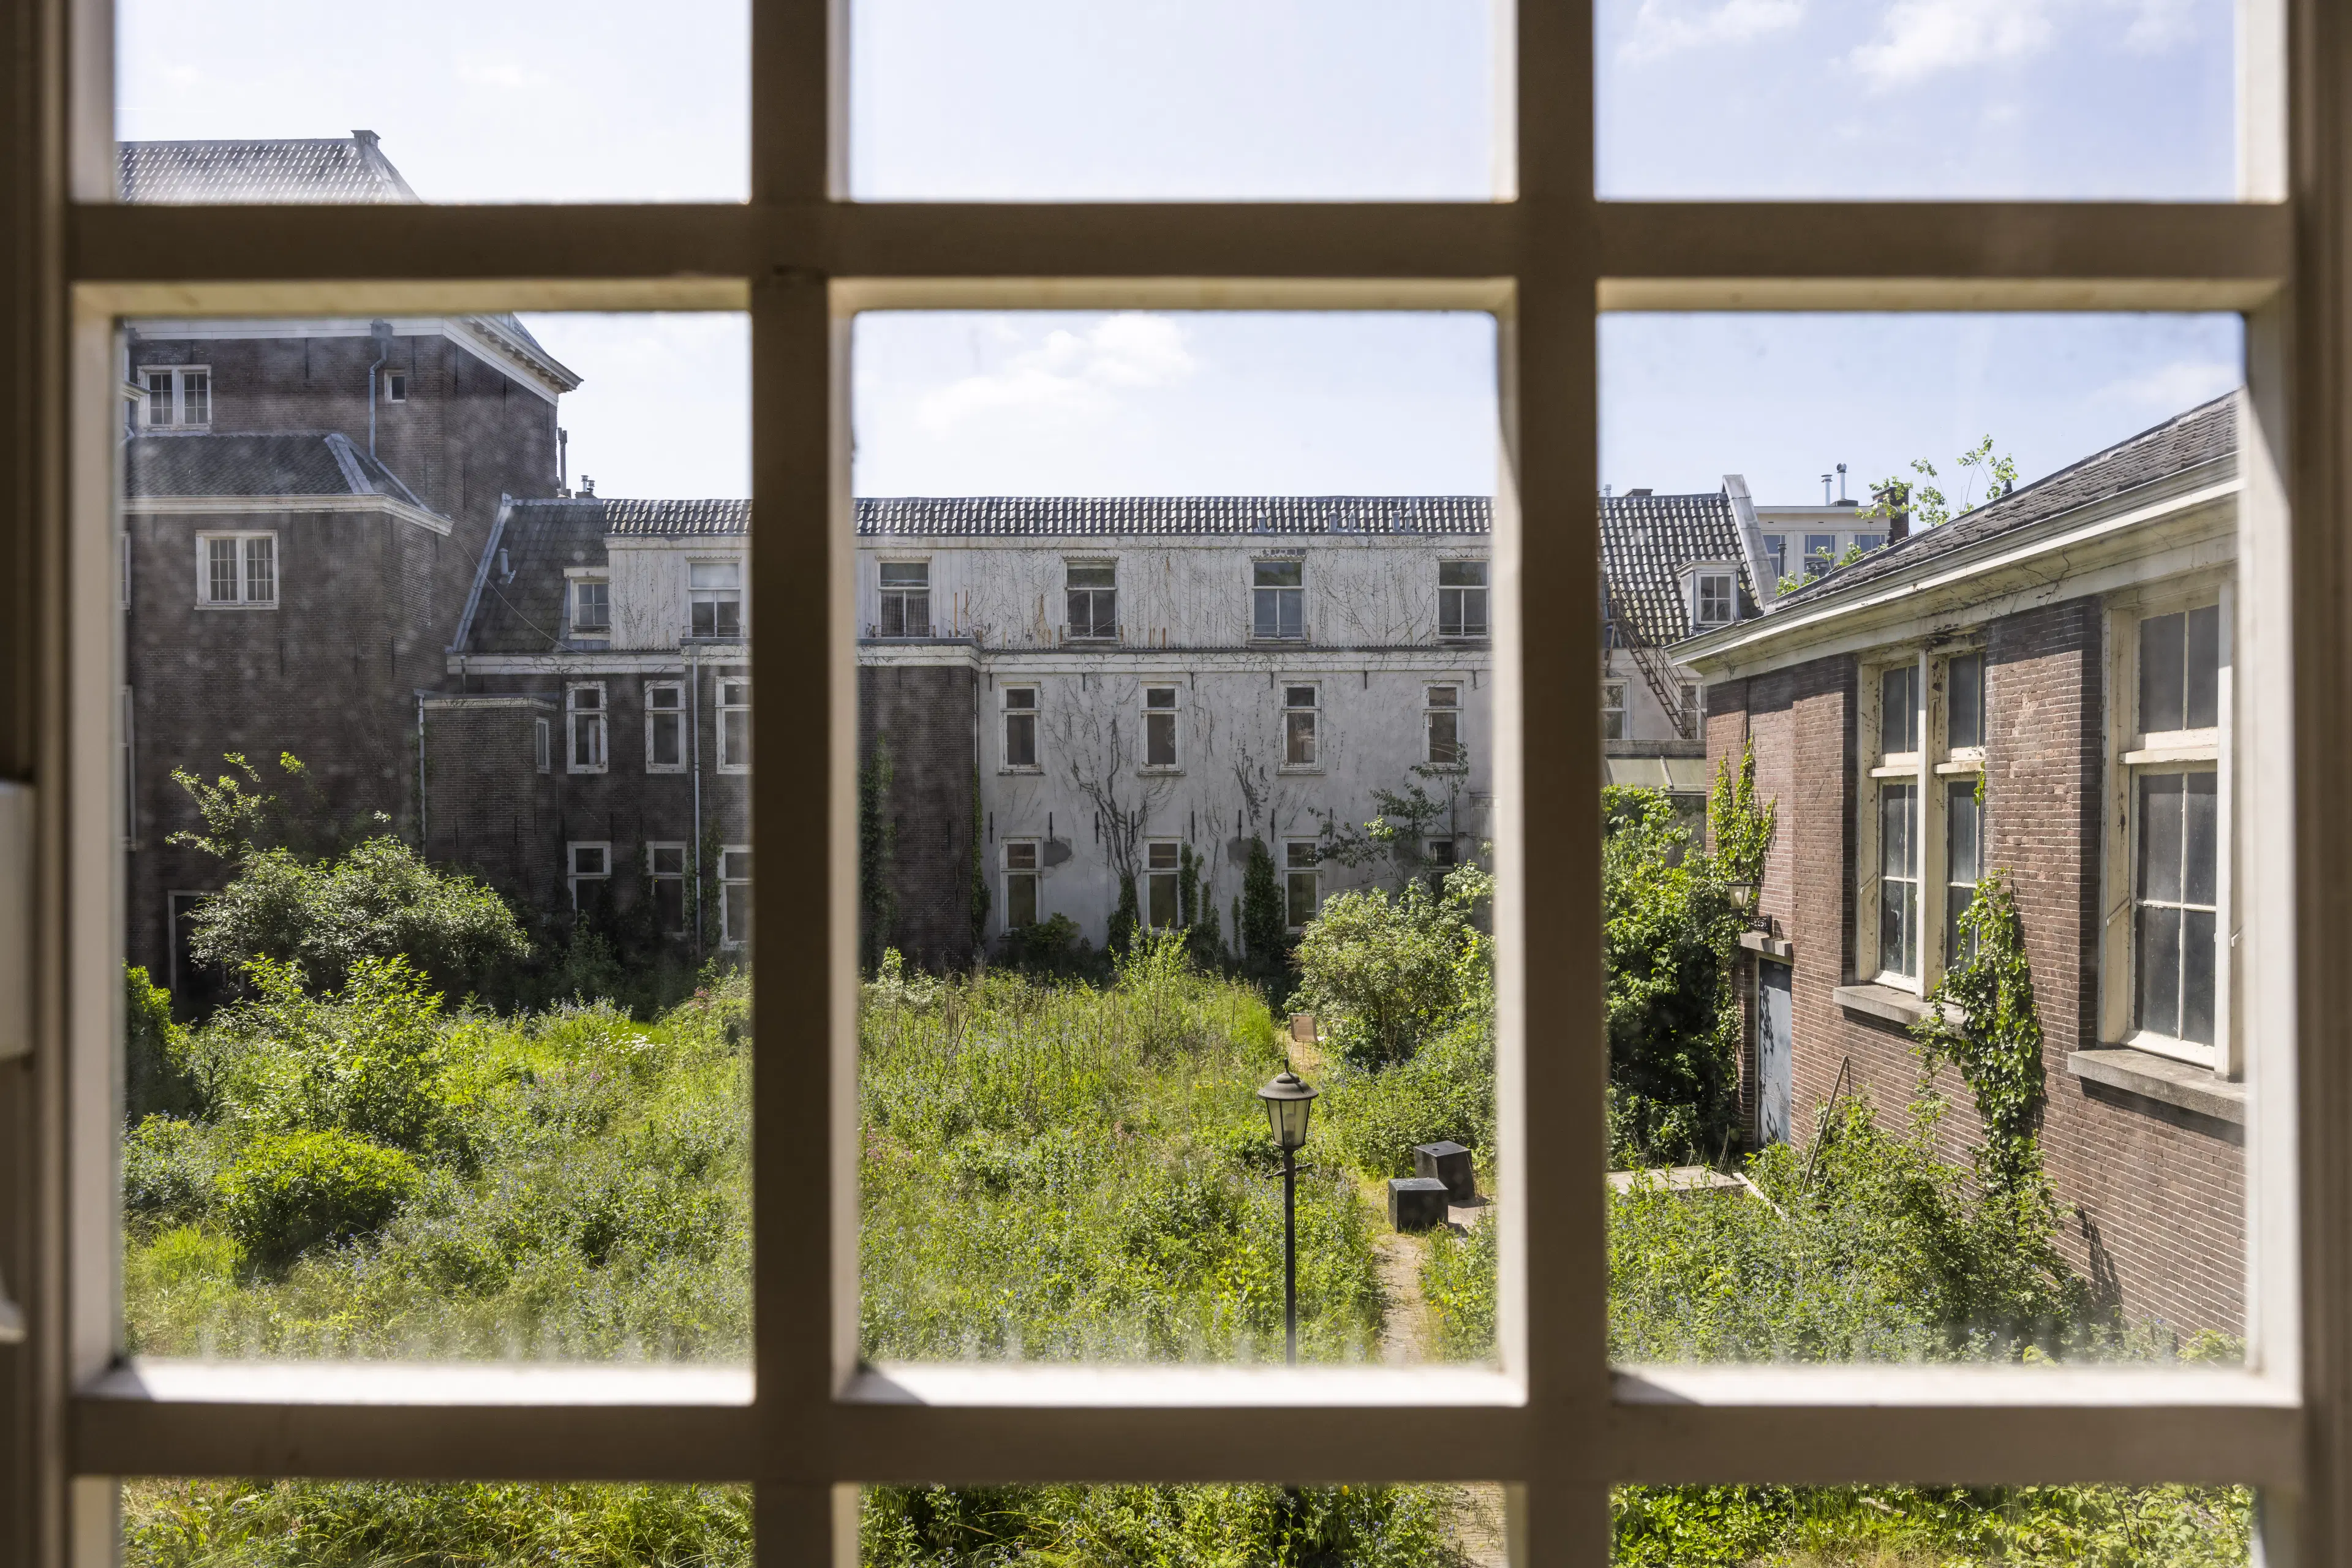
pixel 542 744
pixel 727 852
pixel 654 848
pixel 1173 712
pixel 1881 769
pixel 244 538
pixel 731 703
pixel 573 876
pixel 1007 872
pixel 1554 1421
pixel 1173 874
pixel 2132 752
pixel 599 722
pixel 1284 686
pixel 1313 872
pixel 396 385
pixel 718 595
pixel 1612 688
pixel 576 582
pixel 178 418
pixel 1034 713
pixel 1430 710
pixel 1725 575
pixel 676 716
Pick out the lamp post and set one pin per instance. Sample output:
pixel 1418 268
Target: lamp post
pixel 1288 1103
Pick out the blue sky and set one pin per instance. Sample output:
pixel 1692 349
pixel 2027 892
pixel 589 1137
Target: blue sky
pixel 526 100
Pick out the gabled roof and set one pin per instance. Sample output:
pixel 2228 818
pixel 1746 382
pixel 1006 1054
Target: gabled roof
pixel 2203 434
pixel 941 517
pixel 333 170
pixel 1646 540
pixel 281 464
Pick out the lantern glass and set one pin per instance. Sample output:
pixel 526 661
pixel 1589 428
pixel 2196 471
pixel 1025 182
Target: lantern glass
pixel 1288 1104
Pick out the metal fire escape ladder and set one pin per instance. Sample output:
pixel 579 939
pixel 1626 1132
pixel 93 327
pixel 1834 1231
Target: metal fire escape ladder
pixel 1657 670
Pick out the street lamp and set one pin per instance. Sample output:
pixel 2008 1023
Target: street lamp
pixel 1288 1103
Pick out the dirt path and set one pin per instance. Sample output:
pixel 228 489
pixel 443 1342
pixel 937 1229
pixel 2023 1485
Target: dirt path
pixel 1404 1330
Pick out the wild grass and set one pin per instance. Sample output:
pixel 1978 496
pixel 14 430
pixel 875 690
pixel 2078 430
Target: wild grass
pixel 1054 1171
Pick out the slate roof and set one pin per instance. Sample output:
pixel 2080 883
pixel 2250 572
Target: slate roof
pixel 283 463
pixel 1171 516
pixel 333 170
pixel 1645 543
pixel 2182 442
pixel 523 613
pixel 665 519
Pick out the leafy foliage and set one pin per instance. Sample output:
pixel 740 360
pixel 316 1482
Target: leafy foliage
pixel 1996 1041
pixel 1262 922
pixel 1669 931
pixel 291 1192
pixel 1397 835
pixel 154 1049
pixel 1457 1281
pixel 1381 971
pixel 1928 506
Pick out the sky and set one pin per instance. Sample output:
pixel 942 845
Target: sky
pixel 529 99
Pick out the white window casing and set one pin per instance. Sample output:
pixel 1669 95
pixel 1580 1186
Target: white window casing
pixel 1023 903
pixel 1279 600
pixel 1441 720
pixel 665 738
pixel 1302 719
pixel 1017 729
pixel 1462 600
pixel 1160 728
pixel 591 607
pixel 587 728
pixel 178 397
pixel 904 594
pixel 236 571
pixel 1091 591
pixel 666 872
pixel 714 600
pixel 1612 711
pixel 735 896
pixel 1163 871
pixel 1715 597
pixel 587 864
pixel 541 748
pixel 734 715
pixel 1302 882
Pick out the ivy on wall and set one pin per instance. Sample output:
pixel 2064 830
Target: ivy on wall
pixel 1982 1020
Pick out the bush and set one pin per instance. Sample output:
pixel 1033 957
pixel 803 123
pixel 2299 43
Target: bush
pixel 291 1193
pixel 365 1062
pixel 1457 1280
pixel 154 1051
pixel 1372 1118
pixel 1381 972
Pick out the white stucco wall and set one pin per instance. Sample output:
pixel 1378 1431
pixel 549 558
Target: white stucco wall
pixel 649 586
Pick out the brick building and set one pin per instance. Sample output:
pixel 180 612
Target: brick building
pixel 2040 687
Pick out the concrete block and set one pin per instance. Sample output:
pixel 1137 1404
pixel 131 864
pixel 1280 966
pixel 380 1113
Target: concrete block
pixel 1416 1203
pixel 1450 1163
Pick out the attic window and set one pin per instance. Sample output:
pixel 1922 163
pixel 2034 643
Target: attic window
pixel 1716 600
pixel 395 386
pixel 179 397
pixel 591 607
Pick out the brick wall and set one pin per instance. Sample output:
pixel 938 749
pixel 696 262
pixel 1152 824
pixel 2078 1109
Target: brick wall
pixel 928 715
pixel 2153 1197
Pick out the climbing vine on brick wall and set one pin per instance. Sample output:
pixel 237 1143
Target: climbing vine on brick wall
pixel 1996 1041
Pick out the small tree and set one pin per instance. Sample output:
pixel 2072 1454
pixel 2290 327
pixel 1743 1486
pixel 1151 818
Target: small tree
pixel 1262 922
pixel 1381 971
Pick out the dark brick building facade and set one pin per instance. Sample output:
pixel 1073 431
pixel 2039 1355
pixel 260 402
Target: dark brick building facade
pixel 2143 1128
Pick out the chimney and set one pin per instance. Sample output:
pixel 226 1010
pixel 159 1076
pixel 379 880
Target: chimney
pixel 562 461
pixel 587 486
pixel 1895 498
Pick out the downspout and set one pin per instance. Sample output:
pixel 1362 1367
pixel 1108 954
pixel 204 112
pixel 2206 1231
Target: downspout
pixel 381 332
pixel 693 709
pixel 420 773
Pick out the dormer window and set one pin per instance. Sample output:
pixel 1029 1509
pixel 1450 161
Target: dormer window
pixel 1278 599
pixel 591 607
pixel 1462 599
pixel 1715 599
pixel 715 598
pixel 905 588
pixel 179 397
pixel 1093 589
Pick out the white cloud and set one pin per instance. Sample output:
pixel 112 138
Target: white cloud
pixel 1662 28
pixel 1922 37
pixel 1069 376
pixel 2173 388
pixel 2159 24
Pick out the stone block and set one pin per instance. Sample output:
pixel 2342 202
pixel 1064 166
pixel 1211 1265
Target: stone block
pixel 1450 1163
pixel 1416 1203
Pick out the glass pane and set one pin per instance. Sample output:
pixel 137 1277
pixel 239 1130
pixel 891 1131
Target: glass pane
pixel 1756 99
pixel 523 101
pixel 1898 709
pixel 2162 679
pixel 2199 839
pixel 432 1053
pixel 328 1524
pixel 1211 99
pixel 2026 1527
pixel 2160 798
pixel 1810 1161
pixel 2203 655
pixel 1964 697
pixel 1066 1153
pixel 1363 1526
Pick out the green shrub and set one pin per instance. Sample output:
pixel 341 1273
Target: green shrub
pixel 1382 972
pixel 1372 1118
pixel 290 1193
pixel 1457 1281
pixel 155 1065
pixel 169 1170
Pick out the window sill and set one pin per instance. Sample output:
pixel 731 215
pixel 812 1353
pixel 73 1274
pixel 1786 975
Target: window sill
pixel 1159 773
pixel 1769 946
pixel 1019 773
pixel 2183 1084
pixel 2157 756
pixel 216 605
pixel 1299 773
pixel 1885 1002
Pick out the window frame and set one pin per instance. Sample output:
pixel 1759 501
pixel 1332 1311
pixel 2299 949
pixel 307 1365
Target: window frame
pixel 730 704
pixel 577 582
pixel 1007 712
pixel 1288 688
pixel 1172 713
pixel 1292 594
pixel 1558 1422
pixel 1432 710
pixel 573 876
pixel 694 597
pixel 180 374
pixel 1292 851
pixel 599 720
pixel 1158 878
pixel 728 940
pixel 1093 592
pixel 244 538
pixel 1008 873
pixel 2133 753
pixel 677 714
pixel 1460 597
pixel 1712 573
pixel 654 848
pixel 886 594
pixel 1611 686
